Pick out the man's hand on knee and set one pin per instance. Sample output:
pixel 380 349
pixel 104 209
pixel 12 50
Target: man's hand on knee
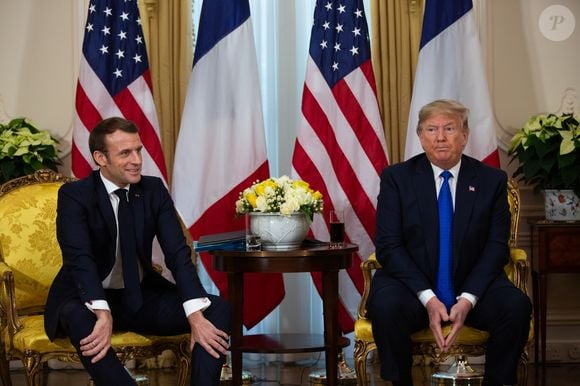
pixel 203 332
pixel 99 341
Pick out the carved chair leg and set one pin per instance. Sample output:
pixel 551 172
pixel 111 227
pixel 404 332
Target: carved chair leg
pixel 33 369
pixel 523 369
pixel 183 363
pixel 361 351
pixel 4 369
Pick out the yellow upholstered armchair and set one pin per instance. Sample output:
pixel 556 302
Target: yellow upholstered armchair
pixel 30 257
pixel 470 342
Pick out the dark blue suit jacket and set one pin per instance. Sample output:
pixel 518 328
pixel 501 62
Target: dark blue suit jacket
pixel 407 236
pixel 86 232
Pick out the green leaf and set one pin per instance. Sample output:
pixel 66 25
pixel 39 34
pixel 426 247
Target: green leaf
pixel 569 175
pixel 566 160
pixel 530 169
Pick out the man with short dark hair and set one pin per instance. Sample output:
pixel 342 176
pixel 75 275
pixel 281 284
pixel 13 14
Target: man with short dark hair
pixel 106 224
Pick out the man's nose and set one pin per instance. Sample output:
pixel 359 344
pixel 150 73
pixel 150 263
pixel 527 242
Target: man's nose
pixel 441 135
pixel 135 157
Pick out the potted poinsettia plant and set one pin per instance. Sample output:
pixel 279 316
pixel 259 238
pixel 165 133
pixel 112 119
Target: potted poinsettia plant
pixel 24 149
pixel 280 210
pixel 548 150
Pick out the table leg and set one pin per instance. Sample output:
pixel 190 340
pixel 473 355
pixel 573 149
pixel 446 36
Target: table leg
pixel 330 305
pixel 543 290
pixel 236 298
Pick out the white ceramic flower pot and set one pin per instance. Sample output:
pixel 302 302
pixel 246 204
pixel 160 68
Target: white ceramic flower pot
pixel 561 205
pixel 280 232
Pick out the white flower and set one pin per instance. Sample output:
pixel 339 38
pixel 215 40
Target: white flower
pixel 280 195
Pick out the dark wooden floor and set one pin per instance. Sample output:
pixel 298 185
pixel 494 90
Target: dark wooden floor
pixel 298 374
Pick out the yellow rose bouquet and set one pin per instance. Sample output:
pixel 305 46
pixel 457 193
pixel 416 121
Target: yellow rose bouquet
pixel 280 195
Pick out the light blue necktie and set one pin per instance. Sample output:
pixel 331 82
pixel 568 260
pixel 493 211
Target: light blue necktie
pixel 444 290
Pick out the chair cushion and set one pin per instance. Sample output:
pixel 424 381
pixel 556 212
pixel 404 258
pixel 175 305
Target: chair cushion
pixel 467 336
pixel 32 337
pixel 27 240
pixel 363 331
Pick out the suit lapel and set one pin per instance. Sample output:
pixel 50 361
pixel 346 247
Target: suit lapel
pixel 465 196
pixel 104 205
pixel 424 181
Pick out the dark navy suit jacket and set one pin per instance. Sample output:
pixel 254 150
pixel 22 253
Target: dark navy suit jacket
pixel 86 232
pixel 407 236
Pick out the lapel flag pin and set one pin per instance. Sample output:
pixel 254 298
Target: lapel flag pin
pixel 471 188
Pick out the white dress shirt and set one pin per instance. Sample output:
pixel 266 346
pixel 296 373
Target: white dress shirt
pixel 426 295
pixel 115 278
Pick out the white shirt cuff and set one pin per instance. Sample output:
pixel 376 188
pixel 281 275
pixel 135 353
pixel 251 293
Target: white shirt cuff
pixel 194 305
pixel 425 296
pixel 97 305
pixel 470 297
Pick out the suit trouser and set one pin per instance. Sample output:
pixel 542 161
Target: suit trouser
pixel 396 313
pixel 161 314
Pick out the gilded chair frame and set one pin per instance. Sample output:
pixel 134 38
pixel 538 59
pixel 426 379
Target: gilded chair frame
pixel 470 342
pixel 22 334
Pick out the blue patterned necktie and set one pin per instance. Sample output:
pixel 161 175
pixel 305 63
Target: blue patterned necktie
pixel 128 245
pixel 445 291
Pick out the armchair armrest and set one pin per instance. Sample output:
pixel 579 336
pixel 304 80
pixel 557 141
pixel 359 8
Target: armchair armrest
pixel 517 269
pixel 367 267
pixel 8 313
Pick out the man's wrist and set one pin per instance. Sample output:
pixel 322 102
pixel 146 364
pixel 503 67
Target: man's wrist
pixel 193 305
pixel 469 297
pixel 425 295
pixel 99 304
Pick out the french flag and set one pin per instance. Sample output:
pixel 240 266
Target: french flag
pixel 221 147
pixel 450 66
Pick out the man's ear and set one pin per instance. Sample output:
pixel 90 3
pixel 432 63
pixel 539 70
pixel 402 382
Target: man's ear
pixel 100 158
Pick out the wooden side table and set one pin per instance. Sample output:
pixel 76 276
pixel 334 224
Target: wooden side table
pixel 309 259
pixel 555 249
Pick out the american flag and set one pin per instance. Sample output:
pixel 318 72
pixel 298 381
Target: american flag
pixel 340 148
pixel 114 80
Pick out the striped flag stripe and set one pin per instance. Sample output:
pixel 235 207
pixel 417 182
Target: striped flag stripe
pixel 339 129
pixel 90 116
pixel 77 158
pixel 307 170
pixel 346 176
pixel 341 135
pixel 95 103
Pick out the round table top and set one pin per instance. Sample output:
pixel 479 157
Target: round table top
pixel 309 258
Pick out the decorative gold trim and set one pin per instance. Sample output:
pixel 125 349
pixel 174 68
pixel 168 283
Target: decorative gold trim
pixel 38 177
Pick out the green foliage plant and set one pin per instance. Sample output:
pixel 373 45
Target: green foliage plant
pixel 548 150
pixel 24 149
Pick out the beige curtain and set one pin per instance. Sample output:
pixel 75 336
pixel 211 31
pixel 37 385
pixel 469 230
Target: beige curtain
pixel 396 26
pixel 167 25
